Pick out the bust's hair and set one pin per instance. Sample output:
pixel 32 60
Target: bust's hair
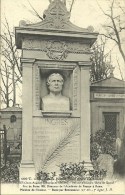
pixel 54 74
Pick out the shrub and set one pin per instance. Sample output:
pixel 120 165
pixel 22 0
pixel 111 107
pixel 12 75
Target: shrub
pixel 45 176
pixel 71 172
pixel 10 173
pixel 95 150
pixel 97 174
pixel 102 142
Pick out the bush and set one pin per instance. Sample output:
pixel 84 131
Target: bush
pixel 97 174
pixel 45 176
pixel 102 142
pixel 10 173
pixel 71 172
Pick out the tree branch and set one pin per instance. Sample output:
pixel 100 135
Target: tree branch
pixel 36 13
pixel 109 37
pixel 119 69
pixel 72 3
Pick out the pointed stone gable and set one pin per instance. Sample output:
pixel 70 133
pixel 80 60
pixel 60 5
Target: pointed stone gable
pixel 56 17
pixel 56 23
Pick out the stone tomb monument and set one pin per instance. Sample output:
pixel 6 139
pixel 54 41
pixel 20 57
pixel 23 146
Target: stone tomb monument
pixel 56 95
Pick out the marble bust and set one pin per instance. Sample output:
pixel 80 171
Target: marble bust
pixel 55 101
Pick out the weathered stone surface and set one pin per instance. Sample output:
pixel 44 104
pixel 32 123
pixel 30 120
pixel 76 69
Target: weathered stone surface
pixel 55 140
pixel 106 162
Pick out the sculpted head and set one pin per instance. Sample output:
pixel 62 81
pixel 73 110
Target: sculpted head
pixel 55 82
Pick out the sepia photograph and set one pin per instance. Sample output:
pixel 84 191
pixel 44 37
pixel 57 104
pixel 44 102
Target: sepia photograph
pixel 62 104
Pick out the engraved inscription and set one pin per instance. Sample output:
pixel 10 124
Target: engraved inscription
pixel 56 122
pixel 109 95
pixel 49 133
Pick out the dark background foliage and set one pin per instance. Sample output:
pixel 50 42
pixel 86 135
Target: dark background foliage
pixel 102 142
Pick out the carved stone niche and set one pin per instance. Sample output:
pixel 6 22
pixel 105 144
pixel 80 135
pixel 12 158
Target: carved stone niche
pixel 71 90
pixel 67 90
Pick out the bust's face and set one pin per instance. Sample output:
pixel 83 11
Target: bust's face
pixel 55 83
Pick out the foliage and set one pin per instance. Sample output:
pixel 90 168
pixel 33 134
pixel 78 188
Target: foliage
pixel 95 150
pixel 102 142
pixel 10 173
pixel 71 172
pixel 97 174
pixel 77 171
pixel 101 60
pixel 45 176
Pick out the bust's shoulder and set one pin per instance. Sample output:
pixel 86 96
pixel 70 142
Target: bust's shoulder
pixel 65 98
pixel 45 98
pixel 48 98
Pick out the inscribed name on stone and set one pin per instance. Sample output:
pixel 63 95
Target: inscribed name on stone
pixel 55 138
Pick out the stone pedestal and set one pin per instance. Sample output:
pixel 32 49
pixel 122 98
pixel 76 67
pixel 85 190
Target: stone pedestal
pixel 27 169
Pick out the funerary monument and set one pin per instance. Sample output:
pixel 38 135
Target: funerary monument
pixel 56 96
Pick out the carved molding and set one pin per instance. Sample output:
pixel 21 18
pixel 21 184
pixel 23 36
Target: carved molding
pixel 27 60
pixel 75 89
pixel 85 64
pixel 56 50
pixel 54 45
pixel 56 114
pixel 37 90
pixel 56 66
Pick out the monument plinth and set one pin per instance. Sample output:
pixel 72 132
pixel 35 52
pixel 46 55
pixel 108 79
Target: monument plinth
pixel 56 117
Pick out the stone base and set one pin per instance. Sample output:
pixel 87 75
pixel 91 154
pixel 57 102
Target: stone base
pixel 88 165
pixel 26 170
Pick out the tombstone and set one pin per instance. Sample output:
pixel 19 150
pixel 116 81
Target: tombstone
pixel 56 110
pixel 106 162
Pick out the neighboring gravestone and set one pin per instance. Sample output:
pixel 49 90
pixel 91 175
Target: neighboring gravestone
pixel 106 162
pixel 56 117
